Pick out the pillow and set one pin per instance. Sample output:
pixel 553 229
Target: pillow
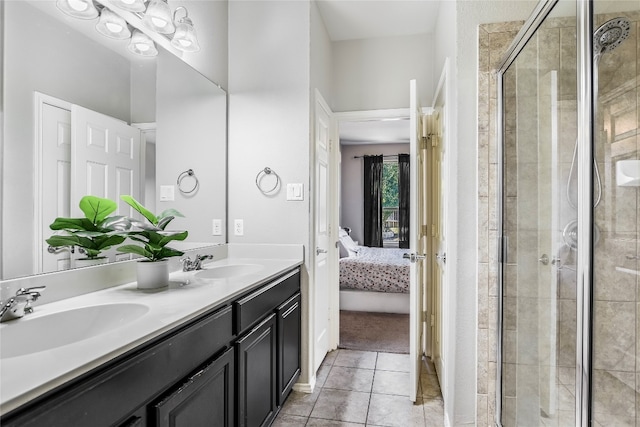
pixel 350 247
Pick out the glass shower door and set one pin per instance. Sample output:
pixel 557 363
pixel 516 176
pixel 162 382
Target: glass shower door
pixel 539 276
pixel 615 367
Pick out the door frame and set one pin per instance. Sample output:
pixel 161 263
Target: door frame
pixel 444 90
pixel 39 100
pixel 353 116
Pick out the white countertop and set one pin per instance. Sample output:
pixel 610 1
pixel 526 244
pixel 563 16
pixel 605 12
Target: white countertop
pixel 25 377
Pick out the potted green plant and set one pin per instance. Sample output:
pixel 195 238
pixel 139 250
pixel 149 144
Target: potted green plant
pixel 93 234
pixel 152 239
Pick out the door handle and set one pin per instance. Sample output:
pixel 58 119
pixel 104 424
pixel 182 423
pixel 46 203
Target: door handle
pixel 442 257
pixel 319 251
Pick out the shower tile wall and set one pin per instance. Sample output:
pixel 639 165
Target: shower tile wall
pixel 494 39
pixel 532 359
pixel 616 353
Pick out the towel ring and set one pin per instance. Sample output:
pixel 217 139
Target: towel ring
pixel 264 172
pixel 182 176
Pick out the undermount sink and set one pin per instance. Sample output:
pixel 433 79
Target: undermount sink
pixel 29 335
pixel 228 271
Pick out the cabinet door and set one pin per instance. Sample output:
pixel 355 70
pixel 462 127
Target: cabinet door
pixel 257 375
pixel 204 399
pixel 289 325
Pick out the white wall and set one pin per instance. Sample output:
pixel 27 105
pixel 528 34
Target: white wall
pixel 351 185
pixel 321 57
pixel 191 134
pixel 462 26
pixel 210 20
pixel 268 117
pixel 269 126
pixel 373 74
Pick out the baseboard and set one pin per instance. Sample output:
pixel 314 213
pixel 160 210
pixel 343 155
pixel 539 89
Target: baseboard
pixel 305 387
pixel 376 302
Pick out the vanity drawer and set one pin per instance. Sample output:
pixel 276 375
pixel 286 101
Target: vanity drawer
pixel 253 307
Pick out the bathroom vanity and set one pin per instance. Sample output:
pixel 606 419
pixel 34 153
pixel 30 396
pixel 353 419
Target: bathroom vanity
pixel 218 347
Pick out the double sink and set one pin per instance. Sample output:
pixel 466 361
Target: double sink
pixel 66 338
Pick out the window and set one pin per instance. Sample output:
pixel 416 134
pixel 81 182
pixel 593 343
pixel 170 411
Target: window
pixel 390 203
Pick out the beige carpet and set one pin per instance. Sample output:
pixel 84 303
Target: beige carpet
pixel 385 332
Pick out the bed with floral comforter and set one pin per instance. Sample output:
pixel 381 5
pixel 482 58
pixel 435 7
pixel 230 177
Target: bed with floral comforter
pixel 376 269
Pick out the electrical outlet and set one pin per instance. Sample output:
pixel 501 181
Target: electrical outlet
pixel 238 227
pixel 217 227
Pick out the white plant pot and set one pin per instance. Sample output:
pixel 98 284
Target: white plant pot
pixel 86 262
pixel 152 275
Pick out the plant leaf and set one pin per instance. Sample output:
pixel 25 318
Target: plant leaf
pixel 170 212
pixel 138 206
pixel 56 241
pixel 162 224
pixel 136 250
pixel 168 252
pixel 118 222
pixel 97 209
pixel 73 224
pixel 166 238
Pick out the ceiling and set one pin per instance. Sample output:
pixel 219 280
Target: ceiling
pixel 363 19
pixel 390 131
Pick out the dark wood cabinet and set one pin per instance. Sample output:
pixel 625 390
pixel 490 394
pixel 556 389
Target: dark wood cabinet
pixel 257 375
pixel 289 324
pixel 204 399
pixel 232 366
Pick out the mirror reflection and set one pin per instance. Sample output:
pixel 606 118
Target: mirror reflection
pixel 69 90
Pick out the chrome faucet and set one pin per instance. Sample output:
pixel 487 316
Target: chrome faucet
pixel 20 304
pixel 196 264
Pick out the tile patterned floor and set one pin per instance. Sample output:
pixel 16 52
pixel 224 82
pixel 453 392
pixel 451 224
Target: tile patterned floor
pixel 364 388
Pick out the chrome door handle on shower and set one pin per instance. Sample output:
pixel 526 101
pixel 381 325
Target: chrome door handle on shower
pixel 319 251
pixel 544 259
pixel 442 257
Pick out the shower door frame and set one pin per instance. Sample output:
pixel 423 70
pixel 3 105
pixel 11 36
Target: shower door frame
pixel 584 265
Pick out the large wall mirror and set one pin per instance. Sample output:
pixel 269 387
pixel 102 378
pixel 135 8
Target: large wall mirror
pixel 55 66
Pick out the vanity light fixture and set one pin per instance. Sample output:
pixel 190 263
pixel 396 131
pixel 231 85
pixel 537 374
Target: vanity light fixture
pixel 112 25
pixel 83 9
pixel 158 17
pixel 141 44
pixel 184 38
pixel 130 5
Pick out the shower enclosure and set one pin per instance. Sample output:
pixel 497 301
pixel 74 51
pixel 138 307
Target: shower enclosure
pixel 569 218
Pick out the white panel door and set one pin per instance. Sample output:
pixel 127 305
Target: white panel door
pixel 55 146
pixel 105 153
pixel 321 230
pixel 416 285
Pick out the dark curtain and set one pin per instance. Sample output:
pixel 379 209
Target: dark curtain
pixel 404 179
pixel 373 201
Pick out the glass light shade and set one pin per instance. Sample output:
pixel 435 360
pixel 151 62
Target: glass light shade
pixel 112 25
pixel 130 5
pixel 142 45
pixel 184 38
pixel 158 17
pixel 83 9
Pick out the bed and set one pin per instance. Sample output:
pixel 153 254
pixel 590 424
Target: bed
pixel 373 279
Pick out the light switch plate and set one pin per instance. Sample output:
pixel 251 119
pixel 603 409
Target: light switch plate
pixel 217 227
pixel 167 193
pixel 295 191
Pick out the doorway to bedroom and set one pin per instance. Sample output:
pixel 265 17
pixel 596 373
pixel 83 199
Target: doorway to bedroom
pixel 374 276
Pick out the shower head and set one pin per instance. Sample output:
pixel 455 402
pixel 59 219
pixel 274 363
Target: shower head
pixel 609 35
